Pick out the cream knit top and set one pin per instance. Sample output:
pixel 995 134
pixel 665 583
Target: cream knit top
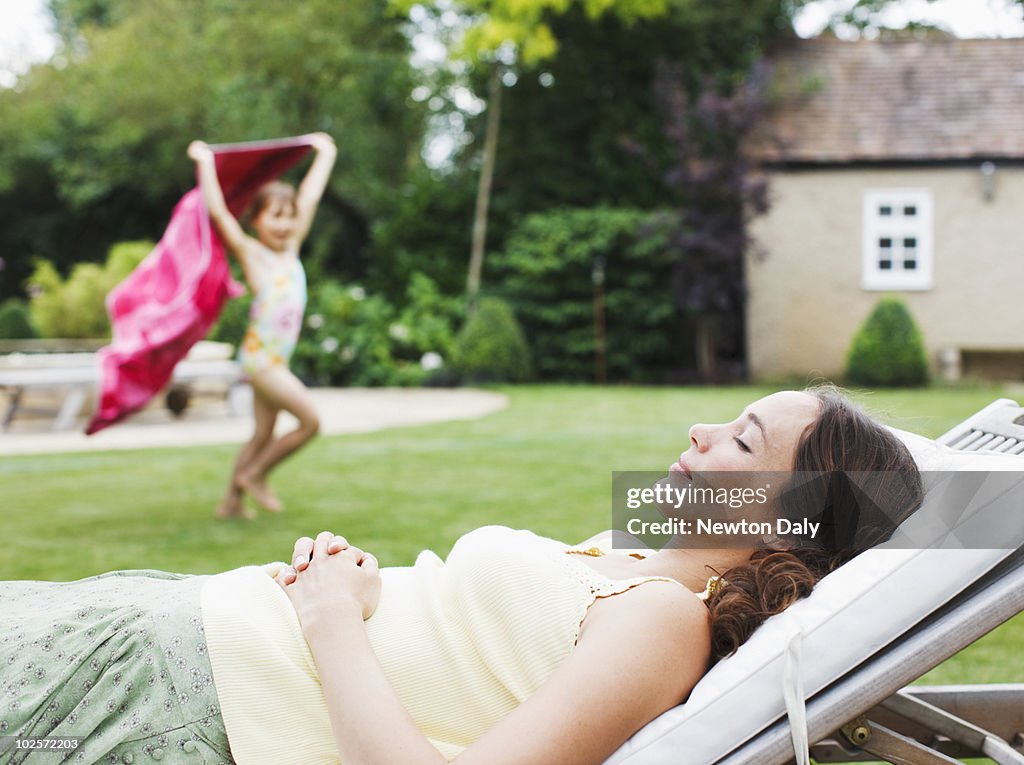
pixel 463 641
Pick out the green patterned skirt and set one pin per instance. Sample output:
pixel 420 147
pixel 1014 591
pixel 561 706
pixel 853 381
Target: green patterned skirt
pixel 118 661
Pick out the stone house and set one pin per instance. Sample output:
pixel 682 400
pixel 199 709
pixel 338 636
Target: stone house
pixel 897 167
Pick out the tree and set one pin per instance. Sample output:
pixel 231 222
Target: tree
pixel 715 187
pixel 653 117
pixel 94 140
pixel 571 124
pixel 586 127
pixel 496 36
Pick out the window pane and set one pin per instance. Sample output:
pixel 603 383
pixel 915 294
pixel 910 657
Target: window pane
pixel 897 238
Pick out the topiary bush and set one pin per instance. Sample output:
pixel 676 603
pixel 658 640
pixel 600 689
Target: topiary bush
pixel 15 323
pixel 491 346
pixel 888 350
pixel 75 307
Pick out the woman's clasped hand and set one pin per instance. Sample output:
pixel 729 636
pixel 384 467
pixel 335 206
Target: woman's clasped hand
pixel 328 575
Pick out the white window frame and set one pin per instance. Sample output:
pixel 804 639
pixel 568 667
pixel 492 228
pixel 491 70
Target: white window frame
pixel 897 227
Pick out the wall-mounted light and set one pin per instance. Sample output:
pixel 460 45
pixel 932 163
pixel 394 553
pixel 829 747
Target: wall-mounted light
pixel 988 180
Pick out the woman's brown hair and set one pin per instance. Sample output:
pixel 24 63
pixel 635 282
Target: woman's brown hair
pixel 858 480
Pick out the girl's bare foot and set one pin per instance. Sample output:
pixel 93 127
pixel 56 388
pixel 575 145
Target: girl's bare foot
pixel 234 507
pixel 257 489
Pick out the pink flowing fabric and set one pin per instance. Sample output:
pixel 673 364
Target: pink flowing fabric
pixel 170 302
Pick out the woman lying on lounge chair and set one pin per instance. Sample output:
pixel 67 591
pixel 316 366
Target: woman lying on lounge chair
pixel 514 650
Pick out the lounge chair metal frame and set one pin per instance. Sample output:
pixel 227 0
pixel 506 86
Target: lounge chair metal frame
pixel 869 715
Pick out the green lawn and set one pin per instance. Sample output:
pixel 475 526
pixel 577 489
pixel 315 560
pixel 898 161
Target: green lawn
pixel 544 463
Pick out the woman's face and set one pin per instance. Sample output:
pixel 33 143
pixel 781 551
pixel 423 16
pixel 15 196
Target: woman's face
pixel 763 438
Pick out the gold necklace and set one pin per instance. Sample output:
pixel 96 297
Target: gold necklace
pixel 713 587
pixel 594 552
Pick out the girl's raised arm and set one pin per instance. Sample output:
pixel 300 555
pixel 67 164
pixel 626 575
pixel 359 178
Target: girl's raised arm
pixel 238 242
pixel 312 187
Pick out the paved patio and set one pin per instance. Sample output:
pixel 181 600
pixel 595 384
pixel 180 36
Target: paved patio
pixel 342 410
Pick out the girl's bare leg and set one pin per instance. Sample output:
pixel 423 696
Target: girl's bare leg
pixel 265 416
pixel 283 390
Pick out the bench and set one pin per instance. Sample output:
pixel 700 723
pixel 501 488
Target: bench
pixel 75 376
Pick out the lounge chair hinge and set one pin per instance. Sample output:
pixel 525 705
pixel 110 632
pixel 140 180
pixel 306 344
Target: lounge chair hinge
pixel 857 732
pixel 885 744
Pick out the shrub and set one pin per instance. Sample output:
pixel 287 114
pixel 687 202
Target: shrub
pixel 72 307
pixel 491 347
pixel 547 270
pixel 15 323
pixel 427 321
pixel 888 350
pixel 75 307
pixel 123 257
pixel 355 338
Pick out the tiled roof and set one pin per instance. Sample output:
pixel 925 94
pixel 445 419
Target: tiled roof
pixel 906 99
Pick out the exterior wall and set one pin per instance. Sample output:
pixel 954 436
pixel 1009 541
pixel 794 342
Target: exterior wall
pixel 805 300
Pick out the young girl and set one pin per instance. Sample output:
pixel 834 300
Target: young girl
pixel 280 218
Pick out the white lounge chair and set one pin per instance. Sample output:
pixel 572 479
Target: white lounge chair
pixel 871 627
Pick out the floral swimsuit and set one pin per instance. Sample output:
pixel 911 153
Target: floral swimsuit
pixel 275 318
